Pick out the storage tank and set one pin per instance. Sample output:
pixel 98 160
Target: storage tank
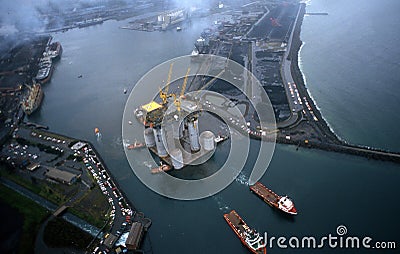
pixel 176 158
pixel 158 132
pixel 194 135
pixel 181 129
pixel 175 126
pixel 149 137
pixel 207 140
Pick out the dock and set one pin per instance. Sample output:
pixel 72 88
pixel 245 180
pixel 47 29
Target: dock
pixel 35 125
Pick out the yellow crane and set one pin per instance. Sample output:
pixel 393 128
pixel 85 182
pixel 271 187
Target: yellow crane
pixel 177 100
pixel 164 94
pixel 185 82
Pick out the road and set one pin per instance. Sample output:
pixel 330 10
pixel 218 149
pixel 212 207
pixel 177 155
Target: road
pixel 294 102
pixel 121 214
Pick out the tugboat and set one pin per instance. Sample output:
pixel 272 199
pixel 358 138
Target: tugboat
pixel 220 138
pixel 161 168
pixel 248 236
pixel 282 203
pixel 135 145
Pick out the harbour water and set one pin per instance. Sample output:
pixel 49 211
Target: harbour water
pixel 329 189
pixel 351 61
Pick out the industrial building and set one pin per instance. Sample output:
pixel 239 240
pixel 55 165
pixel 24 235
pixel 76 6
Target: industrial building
pixel 61 176
pixel 170 18
pixel 135 236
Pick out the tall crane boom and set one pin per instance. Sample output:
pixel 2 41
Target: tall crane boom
pixel 185 83
pixel 169 77
pixel 164 94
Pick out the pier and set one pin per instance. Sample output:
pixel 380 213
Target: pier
pixel 35 125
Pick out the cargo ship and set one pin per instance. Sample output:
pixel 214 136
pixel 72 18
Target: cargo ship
pixel 249 237
pixel 34 99
pixel 46 66
pixel 44 74
pixel 282 203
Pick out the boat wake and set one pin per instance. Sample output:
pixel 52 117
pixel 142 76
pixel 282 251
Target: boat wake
pixel 222 205
pixel 148 164
pixel 117 142
pixel 125 142
pixel 99 137
pixel 242 179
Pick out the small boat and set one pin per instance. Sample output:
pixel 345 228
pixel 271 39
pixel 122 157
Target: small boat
pixel 97 133
pixel 161 168
pixel 220 138
pixel 135 145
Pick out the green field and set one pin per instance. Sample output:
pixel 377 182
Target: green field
pixel 92 207
pixel 33 215
pixel 59 233
pixel 54 192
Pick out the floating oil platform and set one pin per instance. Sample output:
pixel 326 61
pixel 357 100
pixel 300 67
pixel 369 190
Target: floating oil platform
pixel 172 128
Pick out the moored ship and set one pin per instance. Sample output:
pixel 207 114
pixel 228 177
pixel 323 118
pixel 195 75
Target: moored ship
pixel 282 203
pixel 46 66
pixel 248 236
pixel 54 51
pixel 34 99
pixel 45 72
